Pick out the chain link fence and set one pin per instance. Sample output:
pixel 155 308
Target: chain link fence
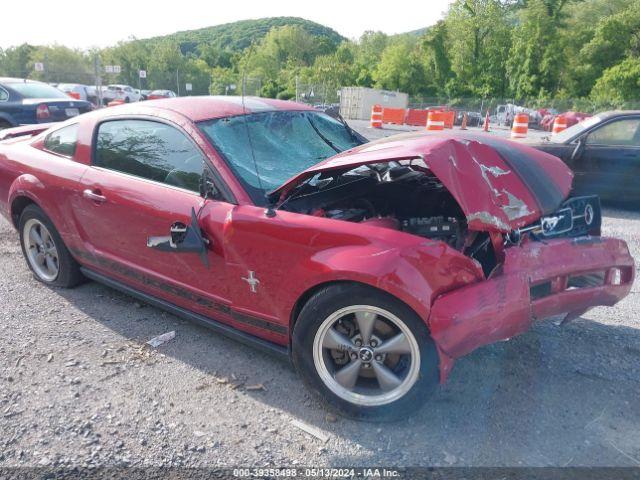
pixel 491 104
pixel 323 93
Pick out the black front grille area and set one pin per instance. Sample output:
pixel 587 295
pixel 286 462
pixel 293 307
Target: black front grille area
pixel 577 217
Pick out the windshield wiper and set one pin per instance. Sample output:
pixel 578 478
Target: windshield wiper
pixel 326 140
pixel 359 139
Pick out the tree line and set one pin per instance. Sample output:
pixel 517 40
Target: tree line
pixel 580 53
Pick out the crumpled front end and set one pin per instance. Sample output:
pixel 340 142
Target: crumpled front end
pixel 564 276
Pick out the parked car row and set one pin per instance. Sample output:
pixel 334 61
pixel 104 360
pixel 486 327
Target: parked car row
pixel 110 93
pixel 128 94
pixel 24 101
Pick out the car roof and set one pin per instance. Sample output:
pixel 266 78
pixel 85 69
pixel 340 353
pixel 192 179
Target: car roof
pixel 9 80
pixel 199 108
pixel 617 113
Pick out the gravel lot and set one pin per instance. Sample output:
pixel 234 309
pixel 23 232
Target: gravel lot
pixel 78 387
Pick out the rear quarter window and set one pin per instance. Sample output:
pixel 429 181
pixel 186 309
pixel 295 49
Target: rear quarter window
pixel 4 95
pixel 63 141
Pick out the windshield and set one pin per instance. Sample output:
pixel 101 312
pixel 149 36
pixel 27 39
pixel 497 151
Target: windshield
pixel 37 90
pixel 284 144
pixel 574 130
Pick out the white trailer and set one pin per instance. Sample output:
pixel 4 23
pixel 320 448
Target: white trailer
pixel 356 102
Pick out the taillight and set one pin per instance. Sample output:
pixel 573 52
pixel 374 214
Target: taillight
pixel 42 112
pixel 75 95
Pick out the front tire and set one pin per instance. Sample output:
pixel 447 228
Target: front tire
pixel 364 353
pixel 45 252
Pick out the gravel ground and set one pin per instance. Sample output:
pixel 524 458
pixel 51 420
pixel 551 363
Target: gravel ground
pixel 78 387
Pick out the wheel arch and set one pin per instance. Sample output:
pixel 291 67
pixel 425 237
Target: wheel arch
pixel 24 191
pixel 310 292
pixel 18 204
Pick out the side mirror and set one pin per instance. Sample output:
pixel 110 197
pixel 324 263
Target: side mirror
pixel 183 239
pixel 208 189
pixel 577 152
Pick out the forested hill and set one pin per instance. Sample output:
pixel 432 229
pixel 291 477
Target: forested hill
pixel 568 54
pixel 237 36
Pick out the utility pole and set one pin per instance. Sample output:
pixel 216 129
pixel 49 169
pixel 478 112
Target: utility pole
pixel 46 67
pixel 98 78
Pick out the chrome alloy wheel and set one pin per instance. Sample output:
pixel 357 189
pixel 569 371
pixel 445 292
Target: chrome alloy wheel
pixel 41 250
pixel 366 355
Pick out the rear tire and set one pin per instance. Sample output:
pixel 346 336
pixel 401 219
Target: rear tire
pixel 45 252
pixel 342 348
pixel 4 125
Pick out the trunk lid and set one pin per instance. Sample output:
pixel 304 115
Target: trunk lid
pixel 500 185
pixel 60 109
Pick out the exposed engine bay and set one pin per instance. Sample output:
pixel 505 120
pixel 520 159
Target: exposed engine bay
pixel 405 197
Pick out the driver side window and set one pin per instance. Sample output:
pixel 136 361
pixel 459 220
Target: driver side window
pixel 621 133
pixel 150 150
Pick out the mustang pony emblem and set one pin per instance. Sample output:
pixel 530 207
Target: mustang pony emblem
pixel 252 280
pixel 549 223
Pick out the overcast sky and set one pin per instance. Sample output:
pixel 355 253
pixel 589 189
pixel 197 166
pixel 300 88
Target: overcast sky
pixel 87 23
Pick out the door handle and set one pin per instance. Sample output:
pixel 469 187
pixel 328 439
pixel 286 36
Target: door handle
pixel 94 196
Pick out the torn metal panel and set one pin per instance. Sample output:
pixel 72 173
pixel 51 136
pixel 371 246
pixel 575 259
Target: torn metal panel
pixel 516 208
pixel 485 218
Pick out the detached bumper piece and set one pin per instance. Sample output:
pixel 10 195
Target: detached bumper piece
pixel 564 276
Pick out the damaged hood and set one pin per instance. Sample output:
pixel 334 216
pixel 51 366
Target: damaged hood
pixel 499 184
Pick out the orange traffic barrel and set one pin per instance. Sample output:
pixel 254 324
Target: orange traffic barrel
pixel 485 126
pixel 435 120
pixel 520 126
pixel 559 124
pixel 376 116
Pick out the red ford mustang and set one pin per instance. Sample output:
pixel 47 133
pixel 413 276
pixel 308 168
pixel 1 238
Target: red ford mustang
pixel 374 266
